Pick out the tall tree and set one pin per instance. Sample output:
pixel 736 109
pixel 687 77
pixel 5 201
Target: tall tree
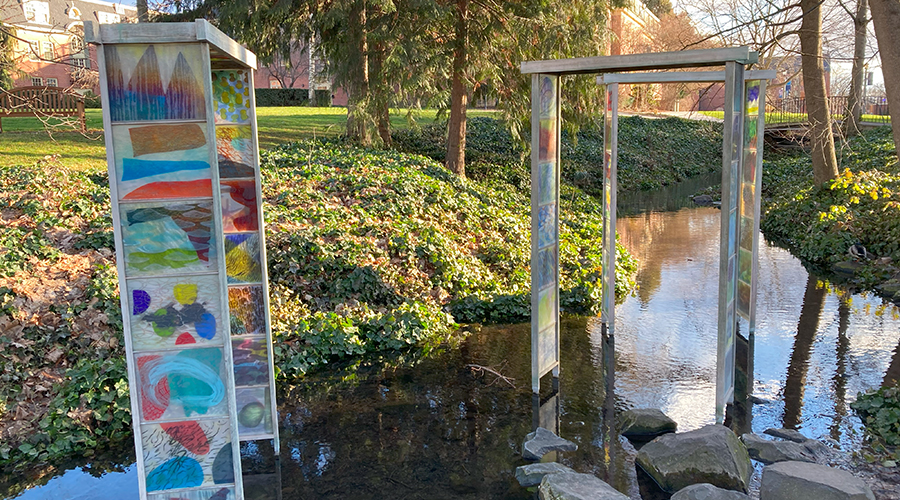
pixel 459 91
pixel 824 161
pixel 853 113
pixel 886 18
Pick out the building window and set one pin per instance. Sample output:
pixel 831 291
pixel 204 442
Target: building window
pixel 108 18
pixel 37 81
pixel 274 83
pixel 37 12
pixel 52 82
pixel 82 62
pixel 47 51
pixel 76 44
pixel 34 51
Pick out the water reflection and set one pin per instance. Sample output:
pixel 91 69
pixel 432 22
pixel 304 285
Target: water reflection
pixel 413 426
pixel 807 326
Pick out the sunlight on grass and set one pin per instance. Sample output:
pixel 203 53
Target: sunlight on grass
pixel 25 141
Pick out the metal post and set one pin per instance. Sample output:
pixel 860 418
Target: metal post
pixel 610 163
pixel 545 135
pixel 731 160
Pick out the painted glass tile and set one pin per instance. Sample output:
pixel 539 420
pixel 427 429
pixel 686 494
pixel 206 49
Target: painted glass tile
pixel 546 183
pixel 167 238
pixel 184 384
pixel 546 267
pixel 247 310
pixel 239 211
pixel 254 407
pixel 547 141
pixel 242 258
pixel 188 454
pixel 232 94
pixel 548 96
pixel 167 312
pixel 251 361
pixel 162 161
pixel 215 493
pixel 234 148
pixel 155 82
pixel 546 225
pixel 546 308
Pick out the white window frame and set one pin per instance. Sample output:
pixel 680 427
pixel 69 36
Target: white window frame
pixel 108 18
pixel 48 50
pixel 36 11
pixel 52 82
pixel 34 51
pixel 37 81
pixel 76 45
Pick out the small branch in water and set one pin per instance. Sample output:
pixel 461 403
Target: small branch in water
pixel 482 369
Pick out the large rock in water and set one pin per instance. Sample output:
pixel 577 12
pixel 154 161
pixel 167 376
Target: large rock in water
pixel 805 481
pixel 706 491
pixel 711 454
pixel 540 442
pixel 644 423
pixel 532 474
pixel 787 434
pixel 577 486
pixel 770 452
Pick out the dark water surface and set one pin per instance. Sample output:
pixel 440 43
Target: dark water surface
pixel 433 427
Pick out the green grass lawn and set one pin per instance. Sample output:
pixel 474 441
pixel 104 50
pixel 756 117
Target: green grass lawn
pixel 773 118
pixel 27 140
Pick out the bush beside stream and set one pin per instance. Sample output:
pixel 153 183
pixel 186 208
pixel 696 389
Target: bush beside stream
pixel 367 251
pixel 652 152
pixel 819 224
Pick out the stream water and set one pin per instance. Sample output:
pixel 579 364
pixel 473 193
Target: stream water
pixel 430 426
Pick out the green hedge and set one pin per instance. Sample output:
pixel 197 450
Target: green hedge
pixel 282 97
pixel 322 98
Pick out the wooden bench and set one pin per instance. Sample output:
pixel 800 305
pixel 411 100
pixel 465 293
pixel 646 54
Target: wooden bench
pixel 42 102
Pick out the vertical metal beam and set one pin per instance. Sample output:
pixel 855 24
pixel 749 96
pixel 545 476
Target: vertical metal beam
pixel 731 161
pixel 545 135
pixel 760 144
pixel 610 167
pixel 535 199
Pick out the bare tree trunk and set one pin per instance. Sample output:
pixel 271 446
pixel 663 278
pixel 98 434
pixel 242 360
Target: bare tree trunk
pixel 142 11
pixel 853 113
pixel 824 161
pixel 886 18
pixel 380 91
pixel 357 107
pixel 456 136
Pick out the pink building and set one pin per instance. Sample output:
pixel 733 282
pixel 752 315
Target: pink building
pixel 50 48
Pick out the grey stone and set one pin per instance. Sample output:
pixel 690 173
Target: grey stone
pixel 711 454
pixel 704 200
pixel 645 423
pixel 788 434
pixel 540 442
pixel 577 486
pixel 770 452
pixel 890 287
pixel 805 481
pixel 706 491
pixel 847 268
pixel 532 474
